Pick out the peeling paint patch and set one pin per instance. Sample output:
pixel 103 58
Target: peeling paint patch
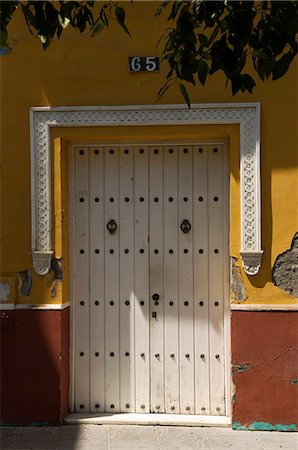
pixel 32 424
pixel 264 426
pixel 238 290
pixel 234 393
pixel 25 285
pixel 294 381
pixel 39 424
pixel 238 368
pixel 285 269
pixel 6 50
pixel 56 267
pixel 4 291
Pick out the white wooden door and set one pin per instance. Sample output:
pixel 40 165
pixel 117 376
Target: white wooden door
pixel 149 278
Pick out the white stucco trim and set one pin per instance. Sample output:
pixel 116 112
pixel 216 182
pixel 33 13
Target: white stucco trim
pixel 264 307
pixel 245 114
pixel 39 306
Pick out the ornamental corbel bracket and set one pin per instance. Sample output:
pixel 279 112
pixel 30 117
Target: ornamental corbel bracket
pixel 42 261
pixel 251 261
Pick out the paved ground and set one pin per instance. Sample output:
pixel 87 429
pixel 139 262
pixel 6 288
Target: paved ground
pixel 127 437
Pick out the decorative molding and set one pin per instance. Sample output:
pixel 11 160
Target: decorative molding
pixel 28 306
pixel 245 114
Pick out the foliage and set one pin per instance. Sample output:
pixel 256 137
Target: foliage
pixel 204 37
pixel 211 36
pixel 47 18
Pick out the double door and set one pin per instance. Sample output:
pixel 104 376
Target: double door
pixel 149 263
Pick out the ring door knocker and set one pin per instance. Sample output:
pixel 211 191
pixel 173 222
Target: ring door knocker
pixel 112 226
pixel 185 226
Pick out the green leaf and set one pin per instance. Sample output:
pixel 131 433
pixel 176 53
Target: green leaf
pixel 103 17
pixel 161 8
pixel 164 89
pixel 120 16
pixel 260 69
pixel 281 66
pixel 29 18
pixel 175 8
pixel 42 38
pixel 214 34
pixel 170 73
pixel 162 36
pixel 184 94
pixel 7 9
pixel 248 83
pixel 236 83
pixel 59 31
pixel 203 70
pixel 97 28
pixel 3 38
pixel 268 63
pixel 64 21
pixel 89 16
pixel 203 40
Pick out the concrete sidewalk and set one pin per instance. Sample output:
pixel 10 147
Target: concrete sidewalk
pixel 127 437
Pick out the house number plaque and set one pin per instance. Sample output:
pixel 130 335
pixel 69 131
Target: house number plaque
pixel 143 63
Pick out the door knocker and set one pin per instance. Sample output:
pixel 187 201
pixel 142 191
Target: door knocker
pixel 185 226
pixel 112 226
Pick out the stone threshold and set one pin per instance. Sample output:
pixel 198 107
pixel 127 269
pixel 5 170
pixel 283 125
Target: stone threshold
pixel 148 419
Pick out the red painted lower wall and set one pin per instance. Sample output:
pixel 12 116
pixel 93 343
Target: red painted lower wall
pixel 34 366
pixel 265 367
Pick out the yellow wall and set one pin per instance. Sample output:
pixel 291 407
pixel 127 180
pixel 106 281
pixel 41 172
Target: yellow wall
pixel 78 70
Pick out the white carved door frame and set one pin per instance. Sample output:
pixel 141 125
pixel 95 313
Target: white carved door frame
pixel 245 114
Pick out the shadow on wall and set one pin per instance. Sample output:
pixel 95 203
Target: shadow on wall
pixel 34 367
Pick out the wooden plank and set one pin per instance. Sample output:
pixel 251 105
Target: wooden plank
pixel 112 400
pixel 226 279
pixel 186 334
pixel 141 288
pixel 81 283
pixel 127 295
pixel 201 291
pixel 156 279
pixel 171 280
pixel 216 282
pixel 96 261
